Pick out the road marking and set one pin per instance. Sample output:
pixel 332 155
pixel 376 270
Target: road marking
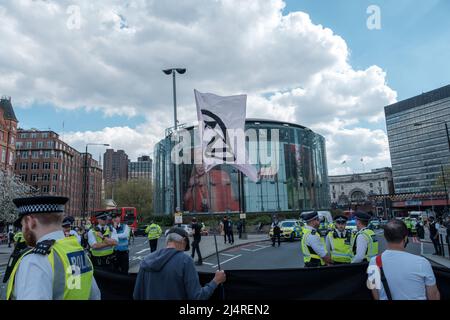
pixel 245 249
pixel 142 251
pixel 228 255
pixel 223 262
pixel 207 263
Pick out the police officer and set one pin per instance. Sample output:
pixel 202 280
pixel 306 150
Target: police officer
pixel 57 267
pixel 338 241
pixel 67 228
pixel 364 243
pixel 19 241
pixel 154 233
pixel 121 250
pixel 102 240
pixel 313 246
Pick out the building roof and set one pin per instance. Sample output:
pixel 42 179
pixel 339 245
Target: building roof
pixel 8 111
pixel 420 100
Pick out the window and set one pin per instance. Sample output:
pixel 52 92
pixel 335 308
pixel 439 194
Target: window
pixel 54 189
pixel 379 183
pixel 24 154
pixel 3 154
pixel 39 144
pixel 29 144
pixel 46 166
pixel 371 185
pixel 35 166
pixel 19 144
pixel 24 166
pixel 55 177
pixel 44 189
pixel 23 135
pixel 342 187
pixel 45 135
pixel 55 165
pixel 50 144
pixel 46 154
pixel 33 135
pixel 45 177
pixel 23 177
pixel 34 177
pixel 35 155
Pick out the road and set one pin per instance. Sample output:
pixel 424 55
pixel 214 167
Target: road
pixel 262 255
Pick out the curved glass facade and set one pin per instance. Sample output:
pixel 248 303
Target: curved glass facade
pixel 300 181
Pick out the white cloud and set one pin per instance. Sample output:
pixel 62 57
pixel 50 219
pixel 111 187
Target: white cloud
pixel 290 68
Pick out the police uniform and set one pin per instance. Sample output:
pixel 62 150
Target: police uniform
pixel 339 243
pixel 103 257
pixel 313 245
pixel 57 268
pixel 121 250
pixel 154 233
pixel 67 223
pixel 364 243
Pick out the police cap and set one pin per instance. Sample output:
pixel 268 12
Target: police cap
pixel 309 216
pixel 181 232
pixel 360 215
pixel 340 218
pixel 38 205
pixel 67 221
pixel 103 215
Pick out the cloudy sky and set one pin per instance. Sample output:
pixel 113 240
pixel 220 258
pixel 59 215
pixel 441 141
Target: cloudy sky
pixel 91 70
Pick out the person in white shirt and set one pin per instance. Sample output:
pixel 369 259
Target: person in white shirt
pixel 67 228
pixel 408 276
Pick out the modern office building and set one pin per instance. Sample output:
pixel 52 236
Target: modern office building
pixel 53 167
pixel 115 169
pixel 418 140
pixel 140 169
pixel 298 182
pixel 8 133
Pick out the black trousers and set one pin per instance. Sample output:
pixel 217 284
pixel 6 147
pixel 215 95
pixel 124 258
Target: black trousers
pixel 196 248
pixel 153 244
pixel 437 246
pixel 122 261
pixel 230 236
pixel 313 263
pixel 276 236
pixel 105 262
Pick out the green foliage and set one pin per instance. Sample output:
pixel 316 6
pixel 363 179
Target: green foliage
pixel 134 193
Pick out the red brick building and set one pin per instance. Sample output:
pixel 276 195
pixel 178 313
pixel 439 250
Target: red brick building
pixel 8 132
pixel 54 168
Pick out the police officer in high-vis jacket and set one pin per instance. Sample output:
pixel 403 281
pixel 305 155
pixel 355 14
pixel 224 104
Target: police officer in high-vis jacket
pixel 313 245
pixel 154 233
pixel 57 267
pixel 338 241
pixel 121 250
pixel 102 240
pixel 364 243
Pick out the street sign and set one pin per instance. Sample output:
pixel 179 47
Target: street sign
pixel 243 216
pixel 178 218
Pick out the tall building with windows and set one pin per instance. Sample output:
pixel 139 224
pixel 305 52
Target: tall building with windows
pixel 53 167
pixel 8 133
pixel 141 169
pixel 115 169
pixel 419 144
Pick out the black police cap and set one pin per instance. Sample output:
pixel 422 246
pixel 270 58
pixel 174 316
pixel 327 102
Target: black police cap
pixel 360 215
pixel 309 216
pixel 67 221
pixel 340 218
pixel 183 233
pixel 38 205
pixel 102 215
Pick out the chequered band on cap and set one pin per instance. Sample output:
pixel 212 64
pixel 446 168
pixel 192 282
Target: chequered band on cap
pixel 40 208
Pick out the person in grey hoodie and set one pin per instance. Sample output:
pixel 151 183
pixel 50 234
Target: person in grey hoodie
pixel 170 274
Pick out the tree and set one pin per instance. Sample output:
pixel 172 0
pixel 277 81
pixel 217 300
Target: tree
pixel 11 187
pixel 135 193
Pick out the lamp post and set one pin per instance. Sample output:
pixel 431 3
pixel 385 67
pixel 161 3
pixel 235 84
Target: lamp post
pixel 173 72
pixel 85 181
pixel 419 124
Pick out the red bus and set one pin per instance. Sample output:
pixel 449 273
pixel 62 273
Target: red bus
pixel 128 216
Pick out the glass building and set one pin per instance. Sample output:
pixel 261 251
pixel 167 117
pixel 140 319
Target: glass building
pixel 300 183
pixel 418 143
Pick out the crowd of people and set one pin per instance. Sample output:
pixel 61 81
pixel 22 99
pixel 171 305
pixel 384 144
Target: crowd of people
pixel 48 246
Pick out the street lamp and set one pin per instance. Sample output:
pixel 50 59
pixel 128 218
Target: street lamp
pixel 85 182
pixel 173 72
pixel 419 124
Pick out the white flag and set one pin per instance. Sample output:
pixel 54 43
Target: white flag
pixel 222 127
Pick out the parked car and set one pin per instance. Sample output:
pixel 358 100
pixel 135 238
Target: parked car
pixel 290 230
pixel 351 225
pixel 140 231
pixel 374 224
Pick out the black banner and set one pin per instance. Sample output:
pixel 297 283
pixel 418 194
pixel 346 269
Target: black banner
pixel 343 282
